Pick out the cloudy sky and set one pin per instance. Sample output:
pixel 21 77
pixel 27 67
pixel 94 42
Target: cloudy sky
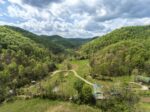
pixel 74 18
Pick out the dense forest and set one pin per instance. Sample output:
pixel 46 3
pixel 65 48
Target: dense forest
pixel 27 57
pixel 55 43
pixel 22 60
pixel 125 51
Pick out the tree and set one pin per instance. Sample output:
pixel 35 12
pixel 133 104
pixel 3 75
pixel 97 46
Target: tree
pixel 135 72
pixel 67 65
pixel 21 70
pixel 119 100
pixel 38 71
pixel 13 68
pixel 2 95
pixel 51 66
pixel 87 95
pixel 78 85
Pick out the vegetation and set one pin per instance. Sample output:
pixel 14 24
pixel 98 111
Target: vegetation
pixel 21 61
pixel 28 63
pixel 119 100
pixel 41 105
pixel 122 58
pixel 125 33
pixel 120 52
pixel 55 43
pixel 85 93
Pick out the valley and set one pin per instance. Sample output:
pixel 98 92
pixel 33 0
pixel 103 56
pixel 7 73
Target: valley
pixel 54 74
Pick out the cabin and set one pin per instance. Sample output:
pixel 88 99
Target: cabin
pixel 98 94
pixel 143 79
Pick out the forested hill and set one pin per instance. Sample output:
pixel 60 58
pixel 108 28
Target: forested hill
pixel 21 61
pixel 67 42
pixel 124 33
pixel 54 43
pixel 125 51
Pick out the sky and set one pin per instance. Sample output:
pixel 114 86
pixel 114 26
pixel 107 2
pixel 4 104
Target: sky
pixel 74 18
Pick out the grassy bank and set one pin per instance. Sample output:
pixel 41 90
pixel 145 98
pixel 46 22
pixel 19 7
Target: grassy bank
pixel 40 105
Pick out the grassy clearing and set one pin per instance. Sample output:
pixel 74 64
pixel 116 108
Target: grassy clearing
pixel 82 67
pixel 145 107
pixel 63 81
pixel 40 105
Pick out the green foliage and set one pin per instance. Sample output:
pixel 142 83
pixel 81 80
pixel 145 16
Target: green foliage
pixel 119 100
pixel 43 105
pixel 21 60
pixel 66 65
pixel 125 33
pixel 85 93
pixel 120 52
pixel 78 85
pixel 121 59
pixel 55 43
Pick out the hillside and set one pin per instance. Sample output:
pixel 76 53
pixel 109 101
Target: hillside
pixel 124 51
pixel 66 42
pixel 22 60
pixel 124 33
pixel 54 43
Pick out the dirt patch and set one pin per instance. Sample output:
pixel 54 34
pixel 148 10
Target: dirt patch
pixel 60 108
pixel 145 99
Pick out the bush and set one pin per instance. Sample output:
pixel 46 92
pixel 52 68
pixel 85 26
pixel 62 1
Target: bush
pixel 119 100
pixel 85 94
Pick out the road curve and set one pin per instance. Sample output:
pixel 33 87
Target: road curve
pixel 75 74
pixel 143 87
pixel 78 76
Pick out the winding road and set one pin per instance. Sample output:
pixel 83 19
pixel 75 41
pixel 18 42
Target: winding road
pixel 75 74
pixel 78 76
pixel 143 87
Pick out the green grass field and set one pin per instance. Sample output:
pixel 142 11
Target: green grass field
pixel 65 85
pixel 83 69
pixel 40 105
pixel 145 107
pixel 65 81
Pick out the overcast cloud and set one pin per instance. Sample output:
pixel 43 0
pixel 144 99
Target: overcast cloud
pixel 74 18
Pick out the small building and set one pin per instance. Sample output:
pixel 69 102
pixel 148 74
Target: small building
pixel 33 82
pixel 98 94
pixel 142 79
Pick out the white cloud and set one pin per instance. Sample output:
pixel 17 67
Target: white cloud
pixel 2 2
pixel 78 18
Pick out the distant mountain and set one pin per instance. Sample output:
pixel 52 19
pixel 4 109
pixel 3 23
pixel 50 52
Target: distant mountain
pixel 77 42
pixel 124 51
pixel 66 42
pixel 55 43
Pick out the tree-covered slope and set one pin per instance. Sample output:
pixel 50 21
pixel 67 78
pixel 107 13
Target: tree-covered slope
pixel 46 42
pixel 125 51
pixel 66 42
pixel 54 43
pixel 123 58
pixel 124 33
pixel 22 60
